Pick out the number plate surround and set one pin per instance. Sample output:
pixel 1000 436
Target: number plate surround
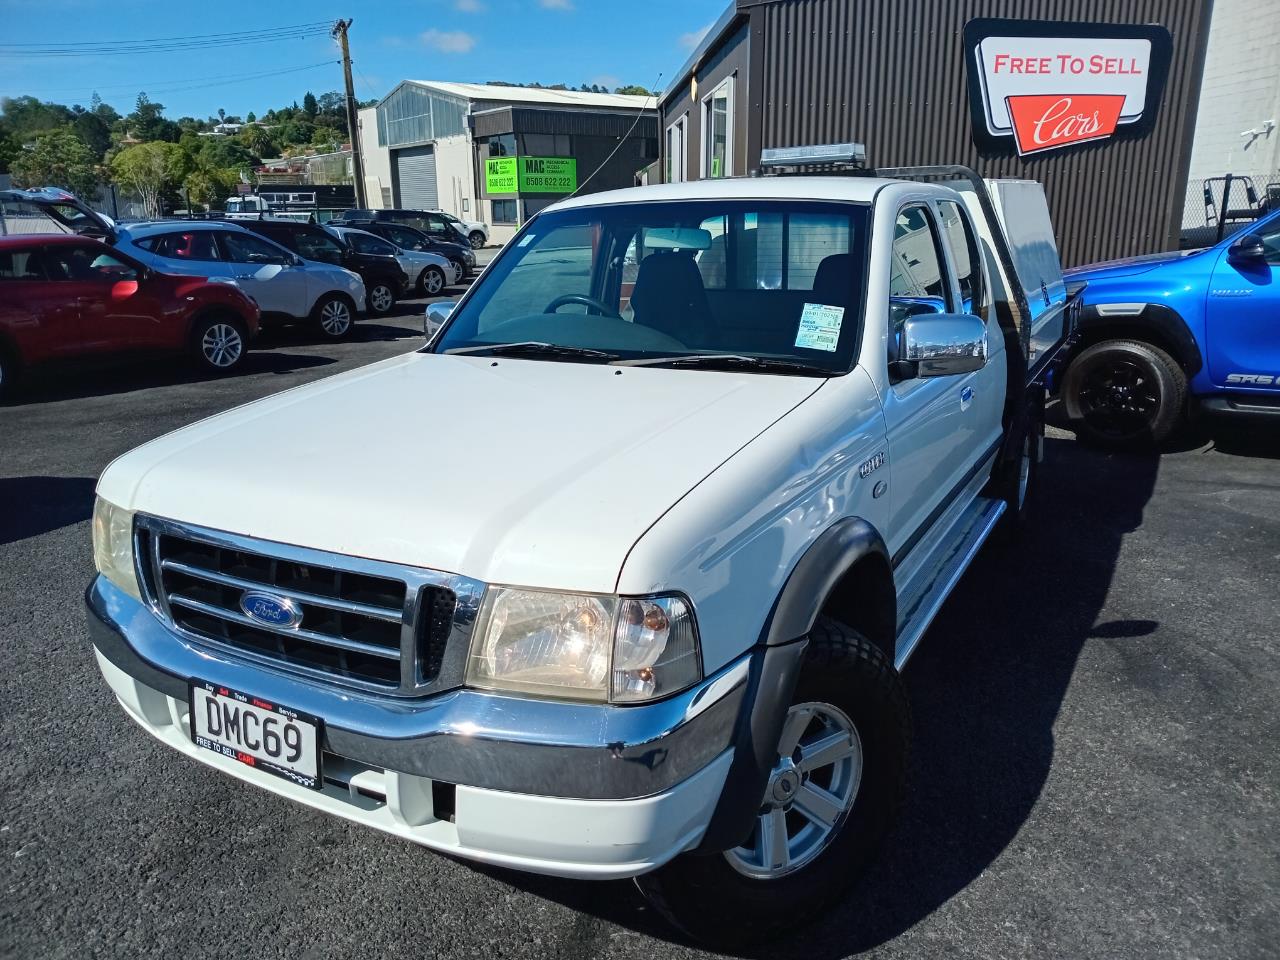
pixel 256 706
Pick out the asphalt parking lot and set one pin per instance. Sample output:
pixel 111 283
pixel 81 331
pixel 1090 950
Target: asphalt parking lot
pixel 1095 770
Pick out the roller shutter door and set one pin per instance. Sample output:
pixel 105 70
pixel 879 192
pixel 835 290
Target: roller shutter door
pixel 416 178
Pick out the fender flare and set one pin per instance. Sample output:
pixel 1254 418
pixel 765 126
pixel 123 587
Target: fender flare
pixel 775 668
pixel 1158 318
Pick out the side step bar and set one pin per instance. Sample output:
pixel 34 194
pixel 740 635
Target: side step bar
pixel 921 611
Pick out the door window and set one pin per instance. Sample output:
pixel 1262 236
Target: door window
pixel 86 264
pixel 318 245
pixel 404 237
pixel 917 278
pixel 243 248
pixel 675 164
pixel 187 245
pixel 1271 241
pixel 963 247
pixel 367 243
pixel 21 265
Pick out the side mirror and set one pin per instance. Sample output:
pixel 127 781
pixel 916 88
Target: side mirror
pixel 1248 250
pixel 437 313
pixel 941 345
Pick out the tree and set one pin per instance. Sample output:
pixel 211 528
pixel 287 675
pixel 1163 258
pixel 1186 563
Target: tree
pixel 222 115
pixel 223 152
pixel 293 132
pixel 634 91
pixel 257 140
pixel 250 117
pixel 150 170
pixel 24 117
pixel 329 138
pixel 309 105
pixel 210 187
pixel 58 159
pixel 9 149
pixel 147 121
pixel 94 132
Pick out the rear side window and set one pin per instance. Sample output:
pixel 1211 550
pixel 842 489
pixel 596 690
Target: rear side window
pixel 245 248
pixel 317 245
pixel 963 248
pixel 366 243
pixel 21 265
pixel 187 245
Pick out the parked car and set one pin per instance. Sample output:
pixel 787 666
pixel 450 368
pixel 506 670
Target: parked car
pixel 460 255
pixel 433 224
pixel 476 232
pixel 287 288
pixel 650 620
pixel 70 296
pixel 384 279
pixel 1161 334
pixel 429 273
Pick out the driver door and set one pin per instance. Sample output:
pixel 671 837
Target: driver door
pixel 116 309
pixel 266 272
pixel 1242 316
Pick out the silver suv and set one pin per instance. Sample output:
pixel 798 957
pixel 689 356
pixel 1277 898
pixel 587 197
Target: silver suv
pixel 287 288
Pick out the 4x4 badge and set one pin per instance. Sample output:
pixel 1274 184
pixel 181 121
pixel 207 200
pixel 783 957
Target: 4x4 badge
pixel 868 466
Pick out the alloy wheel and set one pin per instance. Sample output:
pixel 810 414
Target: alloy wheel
pixel 432 281
pixel 381 298
pixel 1120 399
pixel 809 794
pixel 335 318
pixel 222 345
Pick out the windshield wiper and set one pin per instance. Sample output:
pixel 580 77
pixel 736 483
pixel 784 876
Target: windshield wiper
pixel 711 361
pixel 535 348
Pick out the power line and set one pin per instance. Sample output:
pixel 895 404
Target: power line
pixel 134 48
pixel 196 36
pixel 161 86
pixel 623 139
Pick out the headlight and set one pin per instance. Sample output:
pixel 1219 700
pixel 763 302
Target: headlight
pixel 113 546
pixel 583 647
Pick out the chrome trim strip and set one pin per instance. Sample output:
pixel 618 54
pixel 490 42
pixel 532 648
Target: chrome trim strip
pixel 321 639
pixel 312 599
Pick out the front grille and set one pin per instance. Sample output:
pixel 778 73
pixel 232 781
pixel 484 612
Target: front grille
pixel 363 623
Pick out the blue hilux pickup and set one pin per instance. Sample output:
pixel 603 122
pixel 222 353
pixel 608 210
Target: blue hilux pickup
pixel 1161 334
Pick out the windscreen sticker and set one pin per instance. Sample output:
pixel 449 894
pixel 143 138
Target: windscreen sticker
pixel 524 241
pixel 819 327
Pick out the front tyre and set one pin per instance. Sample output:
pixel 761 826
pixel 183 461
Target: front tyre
pixel 333 316
pixel 431 281
pixel 830 800
pixel 1124 394
pixel 477 239
pixel 220 344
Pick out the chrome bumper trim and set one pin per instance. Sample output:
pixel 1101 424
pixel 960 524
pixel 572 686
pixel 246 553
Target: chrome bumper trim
pixel 468 737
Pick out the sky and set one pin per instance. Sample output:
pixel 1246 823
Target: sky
pixel 609 42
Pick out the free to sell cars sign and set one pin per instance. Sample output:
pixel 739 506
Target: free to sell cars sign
pixel 1036 86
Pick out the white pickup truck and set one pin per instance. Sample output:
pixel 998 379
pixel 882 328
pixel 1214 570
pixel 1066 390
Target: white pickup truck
pixel 617 575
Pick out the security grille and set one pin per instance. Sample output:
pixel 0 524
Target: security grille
pixel 416 178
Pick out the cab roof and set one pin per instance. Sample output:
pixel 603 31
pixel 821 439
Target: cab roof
pixel 855 189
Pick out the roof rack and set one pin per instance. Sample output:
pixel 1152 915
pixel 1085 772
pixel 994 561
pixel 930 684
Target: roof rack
pixel 817 158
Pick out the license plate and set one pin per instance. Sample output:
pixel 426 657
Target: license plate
pixel 256 732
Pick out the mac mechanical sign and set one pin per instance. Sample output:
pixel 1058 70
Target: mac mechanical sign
pixel 1037 86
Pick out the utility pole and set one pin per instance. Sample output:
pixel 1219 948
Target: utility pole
pixel 353 122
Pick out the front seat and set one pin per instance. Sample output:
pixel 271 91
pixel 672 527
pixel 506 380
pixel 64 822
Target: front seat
pixel 832 283
pixel 670 298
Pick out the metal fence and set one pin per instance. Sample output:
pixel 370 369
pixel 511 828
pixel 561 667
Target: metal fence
pixel 1220 206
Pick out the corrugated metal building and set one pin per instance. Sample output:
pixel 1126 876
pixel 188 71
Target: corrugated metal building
pixel 430 143
pixel 901 77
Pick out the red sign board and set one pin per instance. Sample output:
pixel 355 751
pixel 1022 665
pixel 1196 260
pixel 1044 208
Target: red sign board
pixel 1046 121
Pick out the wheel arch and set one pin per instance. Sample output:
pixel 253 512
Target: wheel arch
pixel 846 569
pixel 1156 324
pixel 212 311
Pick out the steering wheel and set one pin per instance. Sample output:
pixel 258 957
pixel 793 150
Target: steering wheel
pixel 583 299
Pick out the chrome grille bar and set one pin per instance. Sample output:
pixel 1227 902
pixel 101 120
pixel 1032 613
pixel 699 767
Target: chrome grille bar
pixel 326 640
pixel 312 599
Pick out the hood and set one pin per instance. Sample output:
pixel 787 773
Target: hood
pixel 510 471
pixel 1126 266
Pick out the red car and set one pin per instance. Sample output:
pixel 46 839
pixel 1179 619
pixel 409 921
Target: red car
pixel 65 296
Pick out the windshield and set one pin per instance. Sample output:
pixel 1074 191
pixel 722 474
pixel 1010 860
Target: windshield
pixel 770 280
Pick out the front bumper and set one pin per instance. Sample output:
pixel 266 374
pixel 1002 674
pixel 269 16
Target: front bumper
pixel 575 790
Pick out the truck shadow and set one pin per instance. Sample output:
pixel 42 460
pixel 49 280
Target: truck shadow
pixel 30 506
pixel 72 380
pixel 985 687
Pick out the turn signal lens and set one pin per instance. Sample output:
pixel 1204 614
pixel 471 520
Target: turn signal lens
pixel 655 650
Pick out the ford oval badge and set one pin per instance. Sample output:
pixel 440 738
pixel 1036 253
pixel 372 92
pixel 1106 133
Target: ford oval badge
pixel 269 609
